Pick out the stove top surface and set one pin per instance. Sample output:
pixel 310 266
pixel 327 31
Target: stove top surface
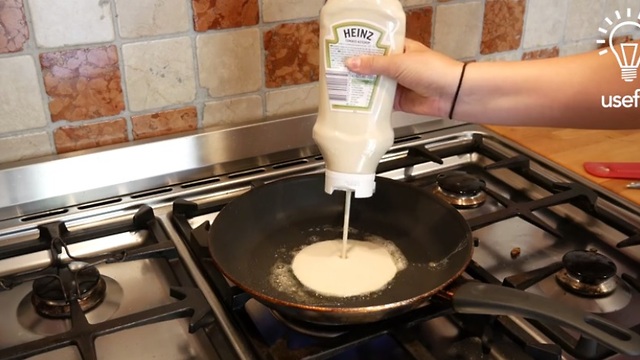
pixel 148 241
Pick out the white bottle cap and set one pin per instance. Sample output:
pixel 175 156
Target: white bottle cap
pixel 363 185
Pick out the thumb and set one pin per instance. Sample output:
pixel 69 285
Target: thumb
pixel 369 65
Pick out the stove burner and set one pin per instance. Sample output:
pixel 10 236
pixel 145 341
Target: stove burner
pixel 617 300
pixel 587 273
pixel 37 324
pixel 52 295
pixel 311 329
pixel 460 189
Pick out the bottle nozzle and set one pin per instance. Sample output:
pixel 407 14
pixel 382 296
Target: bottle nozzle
pixel 362 185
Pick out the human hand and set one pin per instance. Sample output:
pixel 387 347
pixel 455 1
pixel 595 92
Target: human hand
pixel 427 80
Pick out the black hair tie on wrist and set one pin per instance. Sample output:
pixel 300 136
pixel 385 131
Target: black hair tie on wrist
pixel 455 97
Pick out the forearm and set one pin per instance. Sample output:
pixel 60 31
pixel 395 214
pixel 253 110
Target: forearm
pixel 560 92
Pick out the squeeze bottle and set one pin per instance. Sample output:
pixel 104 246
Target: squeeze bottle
pixel 353 128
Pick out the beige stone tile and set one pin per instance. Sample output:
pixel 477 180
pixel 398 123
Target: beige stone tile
pixel 280 10
pixel 502 56
pixel 622 5
pixel 293 101
pixel 579 47
pixel 152 17
pixel 458 29
pixel 59 23
pixel 407 3
pixel 159 73
pixel 544 23
pixel 229 62
pixel 629 10
pixel 21 106
pixel 233 111
pixel 25 146
pixel 584 17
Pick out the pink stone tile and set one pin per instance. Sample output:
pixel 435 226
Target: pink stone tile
pixel 83 83
pixel 72 138
pixel 419 24
pixel 14 31
pixel 292 55
pixel 541 54
pixel 224 14
pixel 164 123
pixel 503 25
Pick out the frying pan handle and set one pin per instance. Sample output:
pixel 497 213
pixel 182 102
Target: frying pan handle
pixel 480 298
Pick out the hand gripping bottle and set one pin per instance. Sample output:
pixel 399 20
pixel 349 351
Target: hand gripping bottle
pixel 353 129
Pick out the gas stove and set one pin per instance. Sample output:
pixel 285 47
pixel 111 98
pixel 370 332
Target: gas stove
pixel 104 254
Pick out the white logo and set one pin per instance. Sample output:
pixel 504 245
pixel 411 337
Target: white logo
pixel 628 55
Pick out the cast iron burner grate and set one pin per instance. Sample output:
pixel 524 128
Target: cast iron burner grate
pixel 77 281
pixel 581 347
pixel 55 237
pixel 575 194
pixel 490 332
pixel 570 193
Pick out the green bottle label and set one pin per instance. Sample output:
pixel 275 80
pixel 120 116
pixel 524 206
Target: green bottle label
pixel 347 90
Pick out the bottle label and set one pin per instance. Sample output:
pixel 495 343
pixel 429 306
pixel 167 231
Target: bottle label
pixel 347 90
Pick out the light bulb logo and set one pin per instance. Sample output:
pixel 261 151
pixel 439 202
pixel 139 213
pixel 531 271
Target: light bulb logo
pixel 628 54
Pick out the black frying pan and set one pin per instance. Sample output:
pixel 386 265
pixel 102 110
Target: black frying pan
pixel 255 236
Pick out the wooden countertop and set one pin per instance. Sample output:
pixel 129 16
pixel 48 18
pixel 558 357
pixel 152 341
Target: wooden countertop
pixel 571 148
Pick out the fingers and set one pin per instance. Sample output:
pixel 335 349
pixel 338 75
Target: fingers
pixel 367 65
pixel 381 65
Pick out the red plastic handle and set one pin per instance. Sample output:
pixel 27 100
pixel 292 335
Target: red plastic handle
pixel 618 170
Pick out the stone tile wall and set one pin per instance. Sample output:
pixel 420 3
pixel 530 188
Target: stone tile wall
pixel 78 74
